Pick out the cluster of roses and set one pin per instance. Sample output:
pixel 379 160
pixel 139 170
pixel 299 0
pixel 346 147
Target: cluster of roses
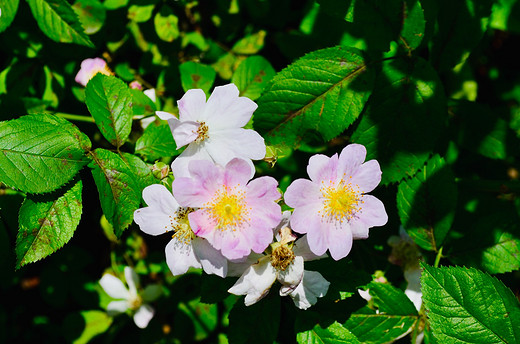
pixel 224 221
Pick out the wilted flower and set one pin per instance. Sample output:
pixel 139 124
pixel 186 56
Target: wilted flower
pixel 283 262
pixel 333 207
pixel 129 298
pixel 185 250
pixel 234 214
pixel 89 68
pixel 213 130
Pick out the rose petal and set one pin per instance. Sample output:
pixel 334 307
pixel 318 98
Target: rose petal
pixel 224 145
pixel 117 307
pixel 213 262
pixel 339 241
pixel 322 168
pixel 301 248
pixel 194 151
pixel 132 280
pixel 292 276
pixel 180 257
pixel 225 100
pixel 312 286
pixel 301 193
pixel 143 316
pixel 350 158
pixel 183 132
pixel 192 105
pixel 306 218
pixel 165 116
pixel 372 212
pixel 255 282
pixel 367 176
pixel 158 216
pixel 237 171
pixel 114 287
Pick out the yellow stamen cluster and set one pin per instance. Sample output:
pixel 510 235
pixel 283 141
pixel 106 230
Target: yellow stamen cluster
pixel 228 208
pixel 202 132
pixel 282 256
pixel 342 200
pixel 181 226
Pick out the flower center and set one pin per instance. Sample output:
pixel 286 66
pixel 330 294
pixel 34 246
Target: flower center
pixel 228 208
pixel 135 302
pixel 341 201
pixel 202 132
pixel 183 232
pixel 281 256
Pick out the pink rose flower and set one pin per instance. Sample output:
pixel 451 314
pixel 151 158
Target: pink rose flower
pixel 333 207
pixel 89 68
pixel 234 214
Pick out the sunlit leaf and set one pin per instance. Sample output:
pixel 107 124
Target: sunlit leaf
pixel 110 103
pixel 335 333
pixel 8 8
pixel 59 22
pixel 323 92
pixel 166 24
pixel 156 142
pixel 47 223
pixel 91 14
pixel 41 152
pixel 469 306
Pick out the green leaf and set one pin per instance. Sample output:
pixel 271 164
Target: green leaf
pixel 426 203
pixel 245 321
pixel 394 317
pixel 166 24
pixel 252 76
pixel 404 118
pixel 59 22
pixel 505 16
pixel 9 8
pixel 141 104
pixel 412 31
pixel 40 153
pixel 325 91
pixel 250 45
pixel 460 27
pixel 83 326
pixel 197 75
pixel 156 142
pixel 47 223
pixel 469 306
pixel 118 186
pixel 91 14
pixel 497 248
pixel 114 4
pixel 335 333
pixel 142 12
pixel 110 102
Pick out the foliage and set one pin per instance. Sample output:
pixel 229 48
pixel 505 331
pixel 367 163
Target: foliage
pixel 430 88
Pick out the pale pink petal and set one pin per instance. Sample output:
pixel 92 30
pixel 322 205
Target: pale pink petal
pixel 114 287
pixel 165 116
pixel 301 248
pixel 192 105
pixel 202 225
pixel 151 293
pixel 305 219
pixel 184 132
pixel 255 282
pixel 180 257
pixel 194 151
pixel 213 262
pixel 301 193
pixel 143 316
pixel 132 280
pixel 263 188
pixel 237 171
pixel 201 187
pixel 367 176
pixel 225 145
pixel 317 237
pixel 224 101
pixel 322 168
pixel 312 286
pixel 372 212
pixel 117 307
pixel 157 218
pixel 89 68
pixel 236 267
pixel 261 234
pixel 359 230
pixel 284 222
pixel 292 276
pixel 351 157
pixel 339 241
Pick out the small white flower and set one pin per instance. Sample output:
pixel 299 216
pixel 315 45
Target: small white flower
pixel 129 298
pixel 213 130
pixel 185 250
pixel 285 264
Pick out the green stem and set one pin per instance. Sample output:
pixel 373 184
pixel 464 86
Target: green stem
pixel 438 258
pixel 75 117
